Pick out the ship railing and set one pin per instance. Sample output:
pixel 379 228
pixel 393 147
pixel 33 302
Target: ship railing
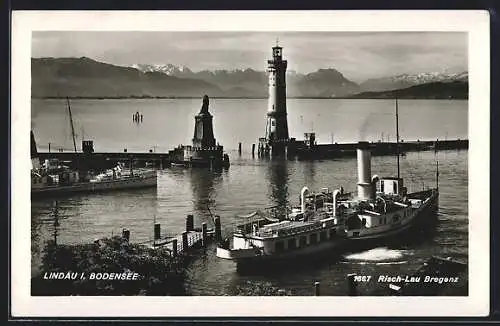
pixel 290 232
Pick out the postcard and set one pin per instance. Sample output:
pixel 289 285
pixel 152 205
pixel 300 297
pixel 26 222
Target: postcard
pixel 250 163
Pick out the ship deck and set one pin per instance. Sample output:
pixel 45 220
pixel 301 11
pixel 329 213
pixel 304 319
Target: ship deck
pixel 290 228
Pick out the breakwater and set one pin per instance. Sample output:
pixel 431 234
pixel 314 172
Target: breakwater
pixel 299 149
pixel 316 151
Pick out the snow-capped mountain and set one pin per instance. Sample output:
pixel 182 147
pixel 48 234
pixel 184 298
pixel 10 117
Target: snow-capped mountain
pixel 168 69
pixel 408 80
pixel 431 77
pixel 85 77
pixel 323 82
pixel 183 71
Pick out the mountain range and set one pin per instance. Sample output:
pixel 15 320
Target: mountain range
pixel 407 80
pixel 432 90
pixel 85 77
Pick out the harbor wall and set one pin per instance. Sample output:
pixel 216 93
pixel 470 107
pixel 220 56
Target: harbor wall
pixel 377 148
pixel 300 149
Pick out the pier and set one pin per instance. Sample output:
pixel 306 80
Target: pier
pixel 159 159
pixel 314 151
pixel 191 238
pixel 311 150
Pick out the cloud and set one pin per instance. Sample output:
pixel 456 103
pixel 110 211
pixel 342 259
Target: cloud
pixel 357 55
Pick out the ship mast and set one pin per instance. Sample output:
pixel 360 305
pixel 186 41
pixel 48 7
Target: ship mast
pixel 71 123
pixel 397 135
pixel 437 174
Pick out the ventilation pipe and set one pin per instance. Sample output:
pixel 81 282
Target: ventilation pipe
pixel 336 192
pixel 303 193
pixel 364 171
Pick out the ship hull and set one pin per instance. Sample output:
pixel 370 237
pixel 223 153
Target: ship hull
pixel 91 187
pixel 311 252
pixel 424 217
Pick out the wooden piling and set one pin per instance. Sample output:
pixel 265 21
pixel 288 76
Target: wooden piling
pixel 184 241
pixel 239 148
pixel 316 288
pixel 218 231
pixel 174 247
pixel 204 234
pixel 253 150
pixel 351 284
pixel 157 231
pixel 189 222
pixel 126 234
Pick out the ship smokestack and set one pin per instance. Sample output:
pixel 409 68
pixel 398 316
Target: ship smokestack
pixel 303 193
pixel 365 190
pixel 336 193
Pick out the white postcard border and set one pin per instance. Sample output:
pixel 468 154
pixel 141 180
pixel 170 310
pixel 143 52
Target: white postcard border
pixel 475 23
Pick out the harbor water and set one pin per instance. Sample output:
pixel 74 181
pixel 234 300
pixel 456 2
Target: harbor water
pixel 251 184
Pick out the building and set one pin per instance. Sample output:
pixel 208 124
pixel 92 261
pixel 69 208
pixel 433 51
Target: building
pixel 204 150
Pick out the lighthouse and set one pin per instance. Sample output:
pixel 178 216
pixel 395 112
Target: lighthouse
pixel 276 140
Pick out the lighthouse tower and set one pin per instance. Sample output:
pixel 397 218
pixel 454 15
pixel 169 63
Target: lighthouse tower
pixel 277 127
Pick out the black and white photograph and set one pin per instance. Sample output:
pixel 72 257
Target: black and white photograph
pixel 254 161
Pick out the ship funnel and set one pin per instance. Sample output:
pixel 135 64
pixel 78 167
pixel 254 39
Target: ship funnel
pixel 336 193
pixel 375 180
pixel 303 193
pixel 365 190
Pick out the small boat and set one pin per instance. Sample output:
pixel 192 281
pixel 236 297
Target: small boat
pixel 56 179
pixel 48 182
pixel 328 220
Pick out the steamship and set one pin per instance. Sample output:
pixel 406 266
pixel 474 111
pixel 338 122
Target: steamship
pixel 329 220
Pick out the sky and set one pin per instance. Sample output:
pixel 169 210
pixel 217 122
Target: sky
pixel 359 56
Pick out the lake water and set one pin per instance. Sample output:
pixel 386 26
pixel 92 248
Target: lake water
pixel 250 183
pixel 170 122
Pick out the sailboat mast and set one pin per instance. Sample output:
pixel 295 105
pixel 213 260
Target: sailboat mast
pixel 71 123
pixel 397 135
pixel 437 174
